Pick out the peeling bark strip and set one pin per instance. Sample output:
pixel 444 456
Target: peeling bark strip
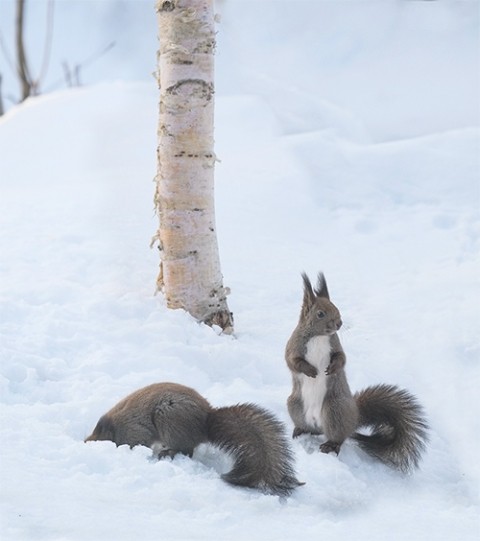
pixel 190 275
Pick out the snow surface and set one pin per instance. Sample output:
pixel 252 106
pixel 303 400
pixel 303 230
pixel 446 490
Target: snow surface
pixel 348 138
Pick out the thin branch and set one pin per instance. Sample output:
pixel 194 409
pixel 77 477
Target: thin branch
pixel 96 56
pixel 67 74
pixel 47 50
pixel 6 54
pixel 73 76
pixel 2 110
pixel 22 66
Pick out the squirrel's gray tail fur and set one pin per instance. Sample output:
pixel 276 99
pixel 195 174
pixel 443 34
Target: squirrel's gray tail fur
pixel 399 428
pixel 257 442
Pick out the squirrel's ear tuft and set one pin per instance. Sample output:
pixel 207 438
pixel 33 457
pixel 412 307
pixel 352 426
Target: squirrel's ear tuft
pixel 321 290
pixel 308 295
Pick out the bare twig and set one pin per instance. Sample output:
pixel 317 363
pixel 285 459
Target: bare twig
pixel 47 50
pixel 72 75
pixel 2 110
pixel 6 54
pixel 22 66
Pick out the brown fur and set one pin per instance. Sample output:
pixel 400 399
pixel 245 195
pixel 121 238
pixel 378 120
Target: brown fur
pixel 171 418
pixel 399 429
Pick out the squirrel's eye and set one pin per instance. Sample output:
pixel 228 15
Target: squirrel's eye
pixel 320 314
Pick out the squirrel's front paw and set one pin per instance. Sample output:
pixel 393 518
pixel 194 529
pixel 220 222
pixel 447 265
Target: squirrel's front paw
pixel 310 371
pixel 164 453
pixel 331 369
pixel 336 363
pixel 301 366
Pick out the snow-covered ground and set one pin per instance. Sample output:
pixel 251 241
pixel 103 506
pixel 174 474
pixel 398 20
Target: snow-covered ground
pixel 349 142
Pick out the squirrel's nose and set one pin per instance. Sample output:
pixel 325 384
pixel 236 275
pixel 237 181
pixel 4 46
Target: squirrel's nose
pixel 334 324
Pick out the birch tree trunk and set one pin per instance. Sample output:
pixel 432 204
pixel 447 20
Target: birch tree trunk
pixel 190 274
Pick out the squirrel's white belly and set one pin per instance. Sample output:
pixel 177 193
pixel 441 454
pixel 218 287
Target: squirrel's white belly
pixel 313 389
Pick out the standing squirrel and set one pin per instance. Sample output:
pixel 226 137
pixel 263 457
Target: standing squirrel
pixel 322 403
pixel 171 418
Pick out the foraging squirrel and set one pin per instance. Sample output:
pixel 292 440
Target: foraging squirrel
pixel 171 418
pixel 321 401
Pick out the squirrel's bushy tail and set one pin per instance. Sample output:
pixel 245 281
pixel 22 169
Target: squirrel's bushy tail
pixel 398 425
pixel 257 442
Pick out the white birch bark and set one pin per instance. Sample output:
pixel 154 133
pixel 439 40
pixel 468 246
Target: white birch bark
pixel 190 274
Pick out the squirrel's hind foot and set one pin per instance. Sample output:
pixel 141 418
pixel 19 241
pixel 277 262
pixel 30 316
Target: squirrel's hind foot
pixel 330 446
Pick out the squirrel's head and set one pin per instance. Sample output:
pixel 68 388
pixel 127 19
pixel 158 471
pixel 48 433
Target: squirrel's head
pixel 319 315
pixel 104 430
